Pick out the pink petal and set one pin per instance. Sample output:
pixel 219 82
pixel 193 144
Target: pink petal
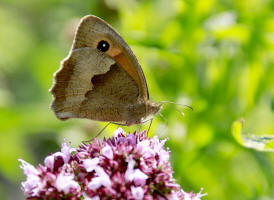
pixel 118 132
pixel 174 196
pixel 164 156
pixel 49 162
pixel 105 180
pixel 90 164
pixel 66 150
pixel 28 168
pixel 145 149
pixel 91 198
pixel 107 151
pixel 137 192
pixel 31 185
pixel 129 172
pixel 66 183
pixel 139 177
pixel 131 139
pixel 102 179
pixel 95 183
pixel 135 175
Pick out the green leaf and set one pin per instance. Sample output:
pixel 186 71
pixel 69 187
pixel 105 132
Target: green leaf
pixel 259 143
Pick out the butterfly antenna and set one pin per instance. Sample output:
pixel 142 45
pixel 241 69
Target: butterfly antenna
pixel 162 116
pixel 177 104
pixel 179 111
pixel 166 123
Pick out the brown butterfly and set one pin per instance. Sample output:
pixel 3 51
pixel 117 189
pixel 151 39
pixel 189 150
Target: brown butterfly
pixel 101 78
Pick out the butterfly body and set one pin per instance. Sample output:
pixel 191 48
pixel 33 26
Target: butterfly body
pixel 101 78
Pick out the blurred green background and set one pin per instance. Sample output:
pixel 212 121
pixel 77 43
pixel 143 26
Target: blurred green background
pixel 216 56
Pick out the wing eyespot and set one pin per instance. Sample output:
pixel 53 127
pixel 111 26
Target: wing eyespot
pixel 103 46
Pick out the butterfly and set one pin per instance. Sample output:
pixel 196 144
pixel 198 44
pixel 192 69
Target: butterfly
pixel 101 78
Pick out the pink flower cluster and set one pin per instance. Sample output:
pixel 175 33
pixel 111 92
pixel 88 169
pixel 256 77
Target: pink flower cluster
pixel 128 166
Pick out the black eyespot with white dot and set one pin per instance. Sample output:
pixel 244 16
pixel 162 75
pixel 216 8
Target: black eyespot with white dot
pixel 103 46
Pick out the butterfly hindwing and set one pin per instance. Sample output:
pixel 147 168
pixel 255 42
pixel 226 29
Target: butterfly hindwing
pixel 73 80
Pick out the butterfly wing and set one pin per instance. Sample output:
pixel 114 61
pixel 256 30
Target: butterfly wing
pixel 105 86
pixel 92 30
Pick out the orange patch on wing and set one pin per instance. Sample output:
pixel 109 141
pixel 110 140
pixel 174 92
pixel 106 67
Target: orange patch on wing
pixel 124 62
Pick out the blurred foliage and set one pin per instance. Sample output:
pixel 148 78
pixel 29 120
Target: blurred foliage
pixel 216 56
pixel 260 143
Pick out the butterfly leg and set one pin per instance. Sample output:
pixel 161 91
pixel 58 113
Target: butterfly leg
pixel 139 127
pixel 119 124
pixel 149 126
pixel 88 141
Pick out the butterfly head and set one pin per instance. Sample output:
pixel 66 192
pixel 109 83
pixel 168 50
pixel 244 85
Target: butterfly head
pixel 153 108
pixel 140 113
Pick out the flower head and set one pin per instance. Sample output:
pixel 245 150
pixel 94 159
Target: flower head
pixel 54 180
pixel 128 166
